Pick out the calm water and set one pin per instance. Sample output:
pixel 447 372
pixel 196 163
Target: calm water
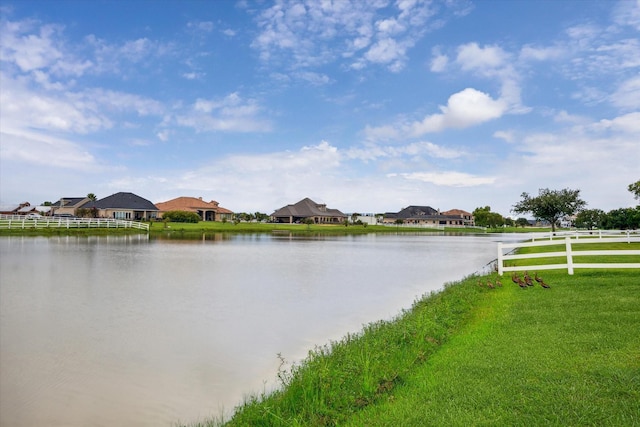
pixel 121 331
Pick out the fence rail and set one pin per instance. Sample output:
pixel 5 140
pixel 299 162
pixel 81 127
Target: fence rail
pixel 15 222
pixel 568 253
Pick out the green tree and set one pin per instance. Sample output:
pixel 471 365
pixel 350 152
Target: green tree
pixel 522 222
pixel 92 197
pixel 623 219
pixel 590 219
pixel 551 205
pixel 635 189
pixel 483 217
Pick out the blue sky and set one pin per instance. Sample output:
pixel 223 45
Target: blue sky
pixel 367 106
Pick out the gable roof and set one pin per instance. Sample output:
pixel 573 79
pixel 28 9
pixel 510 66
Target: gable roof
pixel 123 201
pixel 190 204
pixel 307 208
pixel 68 202
pixel 457 212
pixel 413 212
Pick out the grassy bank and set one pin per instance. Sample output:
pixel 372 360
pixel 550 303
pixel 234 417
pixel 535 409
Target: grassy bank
pixel 472 355
pixel 257 227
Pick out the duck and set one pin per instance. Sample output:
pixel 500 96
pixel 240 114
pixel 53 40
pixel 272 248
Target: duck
pixel 527 279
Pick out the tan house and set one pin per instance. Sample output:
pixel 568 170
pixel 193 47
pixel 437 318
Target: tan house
pixel 459 217
pixel 426 215
pixel 68 205
pixel 127 206
pixel 308 209
pixel 208 211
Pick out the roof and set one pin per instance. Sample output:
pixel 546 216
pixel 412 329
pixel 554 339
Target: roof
pixel 306 208
pixel 190 204
pixel 457 212
pixel 413 212
pixel 123 201
pixel 69 201
pixel 10 208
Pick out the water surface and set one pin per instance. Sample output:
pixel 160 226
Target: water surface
pixel 127 330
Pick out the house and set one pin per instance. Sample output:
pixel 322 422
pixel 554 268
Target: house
pixel 68 205
pixel 459 217
pixel 127 206
pixel 13 209
pixel 426 215
pixel 307 209
pixel 44 210
pixel 208 211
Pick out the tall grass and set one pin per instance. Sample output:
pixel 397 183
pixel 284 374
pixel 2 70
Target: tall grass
pixel 471 355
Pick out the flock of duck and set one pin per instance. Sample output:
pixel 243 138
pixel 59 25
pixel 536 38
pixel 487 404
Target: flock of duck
pixel 524 282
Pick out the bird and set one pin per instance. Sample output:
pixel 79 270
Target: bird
pixel 490 285
pixel 544 285
pixel 518 281
pixel 527 279
pixel 498 283
pixel 538 279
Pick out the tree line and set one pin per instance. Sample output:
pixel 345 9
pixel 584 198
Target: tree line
pixel 556 205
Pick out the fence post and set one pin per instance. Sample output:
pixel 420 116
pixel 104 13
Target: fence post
pixel 569 254
pixel 500 268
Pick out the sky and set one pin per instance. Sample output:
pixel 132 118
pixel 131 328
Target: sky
pixel 366 106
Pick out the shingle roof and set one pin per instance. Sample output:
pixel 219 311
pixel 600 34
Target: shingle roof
pixel 306 208
pixel 190 204
pixel 69 201
pixel 413 212
pixel 123 201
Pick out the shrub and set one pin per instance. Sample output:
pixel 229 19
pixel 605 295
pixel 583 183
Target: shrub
pixel 181 216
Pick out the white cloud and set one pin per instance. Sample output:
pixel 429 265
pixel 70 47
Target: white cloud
pixel 507 136
pixel 230 114
pixel 316 33
pixel 371 152
pixel 473 57
pixel 37 149
pixel 448 179
pixel 529 53
pixel 466 108
pixel 439 62
pixel 628 123
pixel 627 95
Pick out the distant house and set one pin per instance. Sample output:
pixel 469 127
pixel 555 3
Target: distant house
pixel 127 206
pixel 208 211
pixel 459 217
pixel 426 215
pixel 413 215
pixel 308 209
pixel 68 205
pixel 13 209
pixel 44 210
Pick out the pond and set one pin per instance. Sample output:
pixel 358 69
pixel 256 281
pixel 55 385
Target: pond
pixel 133 330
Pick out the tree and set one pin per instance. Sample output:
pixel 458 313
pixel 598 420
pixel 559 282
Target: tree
pixel 551 205
pixel 635 189
pixel 485 218
pixel 623 219
pixel 522 222
pixel 92 197
pixel 590 219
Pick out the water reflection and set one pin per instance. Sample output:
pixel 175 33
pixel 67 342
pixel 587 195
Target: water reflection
pixel 138 330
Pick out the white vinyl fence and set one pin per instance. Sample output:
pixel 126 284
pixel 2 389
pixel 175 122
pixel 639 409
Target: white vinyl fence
pixel 568 253
pixel 12 222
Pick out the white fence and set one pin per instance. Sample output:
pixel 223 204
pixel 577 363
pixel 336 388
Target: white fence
pixel 13 222
pixel 568 253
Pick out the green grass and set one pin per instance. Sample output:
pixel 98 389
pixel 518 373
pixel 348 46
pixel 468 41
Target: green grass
pixel 470 355
pixel 256 227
